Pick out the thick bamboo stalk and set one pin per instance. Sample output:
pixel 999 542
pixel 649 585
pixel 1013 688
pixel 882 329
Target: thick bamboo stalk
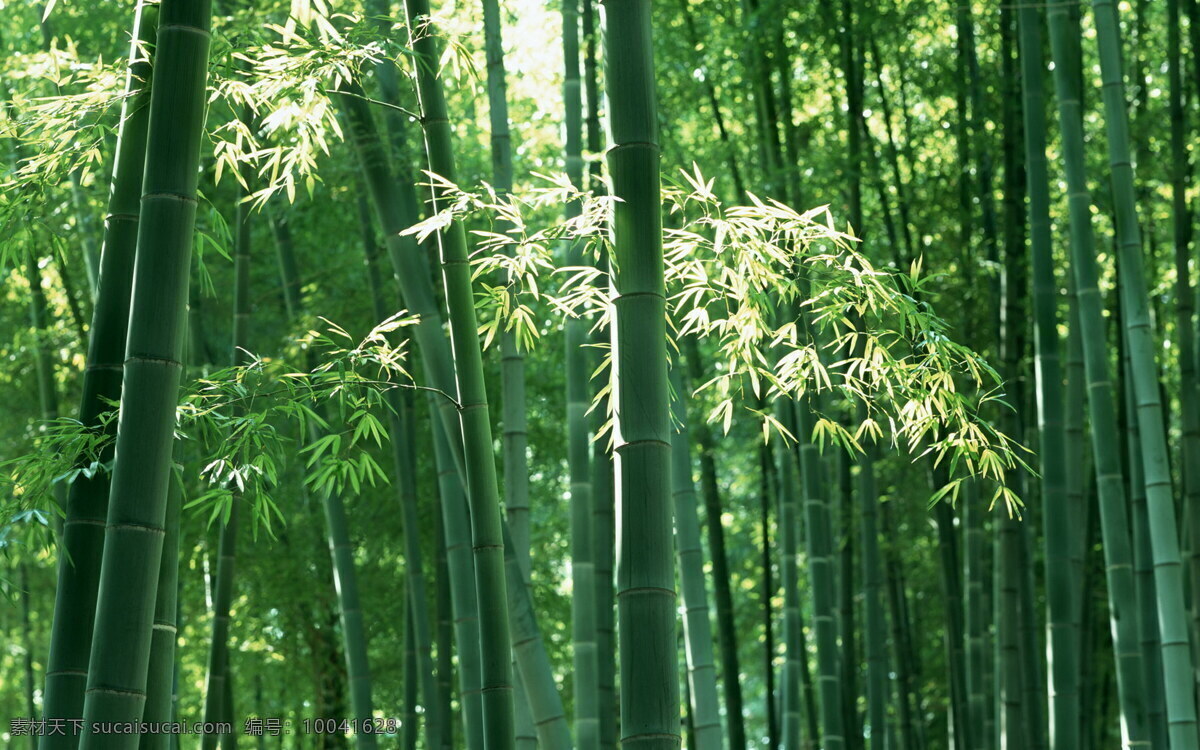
pixel 87 498
pixel 875 641
pixel 133 538
pixel 641 433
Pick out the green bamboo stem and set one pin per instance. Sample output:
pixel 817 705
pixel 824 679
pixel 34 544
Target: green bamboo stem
pixel 43 359
pixel 845 579
pixel 911 733
pixel 160 678
pixel 512 359
pixel 583 567
pixel 87 498
pixel 789 525
pixel 1143 566
pixel 1178 671
pixel 218 655
pixel 341 549
pixel 705 708
pixel 1012 717
pixel 766 495
pixel 404 460
pixel 950 569
pixel 228 739
pixel 819 548
pixel 27 648
pixel 726 630
pixel 1033 683
pixel 602 460
pixel 1008 710
pixel 973 543
pixel 396 208
pixel 77 310
pixel 134 534
pixel 1182 219
pixel 875 642
pixel 645 566
pixel 1061 576
pixel 445 634
pixel 482 489
pixel 604 541
pixel 409 733
pixel 345 582
pixel 1100 394
pixel 460 567
pixel 532 659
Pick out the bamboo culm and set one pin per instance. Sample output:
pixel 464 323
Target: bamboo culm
pixel 646 599
pixel 133 537
pixel 705 708
pixel 87 498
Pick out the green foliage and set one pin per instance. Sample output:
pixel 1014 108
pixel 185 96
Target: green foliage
pixel 732 272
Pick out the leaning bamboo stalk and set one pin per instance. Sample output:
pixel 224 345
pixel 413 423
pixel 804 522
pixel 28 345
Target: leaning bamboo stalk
pixel 87 499
pixel 395 204
pixel 395 207
pixel 512 359
pixel 482 490
pixel 1179 675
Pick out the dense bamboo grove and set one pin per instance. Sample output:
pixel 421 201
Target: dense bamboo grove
pixel 521 374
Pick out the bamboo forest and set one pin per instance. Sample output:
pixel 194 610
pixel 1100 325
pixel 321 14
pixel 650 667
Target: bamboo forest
pixel 585 374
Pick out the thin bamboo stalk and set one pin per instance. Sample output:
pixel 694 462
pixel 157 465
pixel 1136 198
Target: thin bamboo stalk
pixel 703 704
